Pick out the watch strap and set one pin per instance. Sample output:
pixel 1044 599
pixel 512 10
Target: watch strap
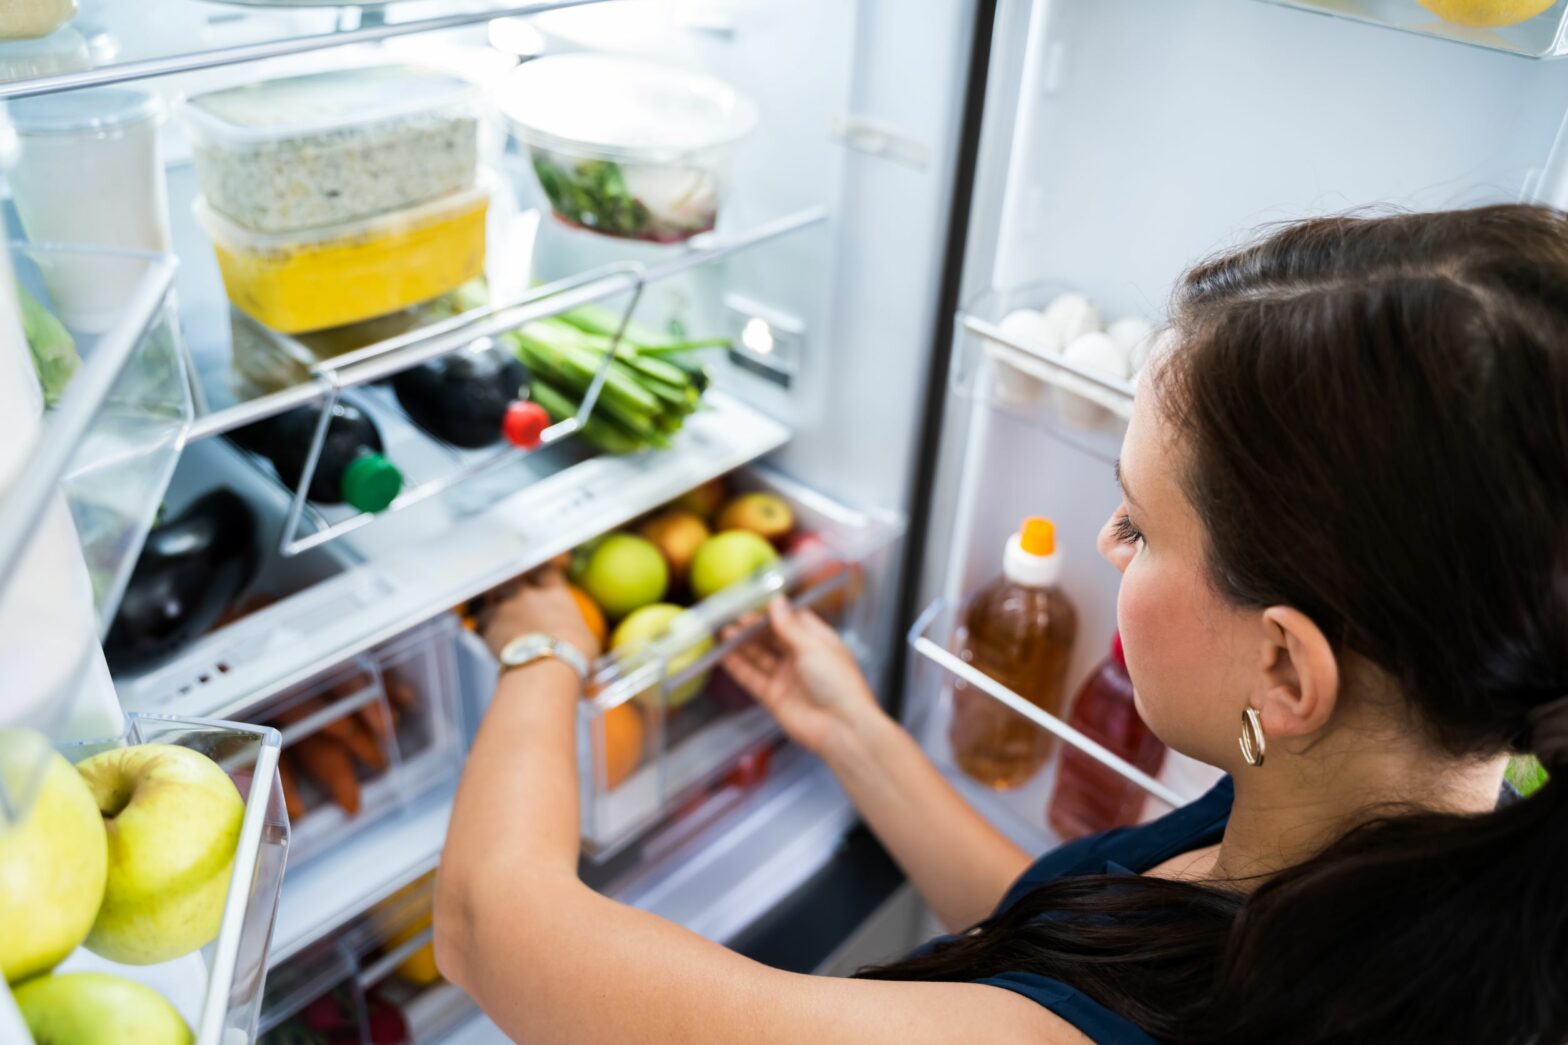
pixel 529 649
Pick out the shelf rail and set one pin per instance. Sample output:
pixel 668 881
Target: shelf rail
pixel 954 665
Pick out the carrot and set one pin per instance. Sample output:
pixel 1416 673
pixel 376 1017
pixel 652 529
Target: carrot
pixel 328 763
pixel 402 693
pixel 355 735
pixel 292 801
pixel 377 717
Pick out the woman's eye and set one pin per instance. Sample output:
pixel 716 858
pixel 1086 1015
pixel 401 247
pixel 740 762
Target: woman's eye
pixel 1124 531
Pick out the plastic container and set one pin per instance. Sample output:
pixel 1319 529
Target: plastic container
pixel 302 281
pixel 1089 798
pixel 627 148
pixel 1019 630
pixel 29 19
pixel 326 149
pixel 89 173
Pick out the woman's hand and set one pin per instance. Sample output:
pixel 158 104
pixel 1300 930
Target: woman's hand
pixel 806 677
pixel 537 603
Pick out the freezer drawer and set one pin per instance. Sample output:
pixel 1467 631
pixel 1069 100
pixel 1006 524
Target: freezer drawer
pixel 370 737
pixel 664 726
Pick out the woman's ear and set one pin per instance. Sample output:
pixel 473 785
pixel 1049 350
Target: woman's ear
pixel 1300 674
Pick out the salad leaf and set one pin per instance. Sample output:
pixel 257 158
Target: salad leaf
pixel 53 348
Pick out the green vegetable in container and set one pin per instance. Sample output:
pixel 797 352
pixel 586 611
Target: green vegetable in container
pixel 53 348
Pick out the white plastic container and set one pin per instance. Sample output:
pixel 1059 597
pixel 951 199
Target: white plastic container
pixel 329 148
pixel 89 174
pixel 627 148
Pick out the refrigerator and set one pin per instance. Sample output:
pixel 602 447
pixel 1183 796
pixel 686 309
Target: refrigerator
pixel 917 173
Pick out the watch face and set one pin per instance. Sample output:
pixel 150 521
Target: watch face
pixel 523 649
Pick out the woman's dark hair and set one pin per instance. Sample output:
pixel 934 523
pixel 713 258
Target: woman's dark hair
pixel 1374 416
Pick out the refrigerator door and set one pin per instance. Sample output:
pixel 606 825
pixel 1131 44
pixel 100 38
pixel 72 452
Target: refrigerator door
pixel 1121 142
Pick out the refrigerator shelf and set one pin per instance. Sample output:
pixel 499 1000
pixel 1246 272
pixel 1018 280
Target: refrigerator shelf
pixel 1543 36
pixel 116 44
pixel 1021 812
pixel 217 989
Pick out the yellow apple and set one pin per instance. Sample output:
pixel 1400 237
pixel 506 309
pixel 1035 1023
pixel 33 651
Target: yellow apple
pixel 655 622
pixel 173 818
pixel 624 572
pixel 53 860
pixel 765 514
pixel 728 557
pixel 95 1008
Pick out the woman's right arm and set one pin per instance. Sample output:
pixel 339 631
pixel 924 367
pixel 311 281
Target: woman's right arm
pixel 808 679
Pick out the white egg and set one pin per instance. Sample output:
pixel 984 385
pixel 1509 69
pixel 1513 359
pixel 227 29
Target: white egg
pixel 1096 351
pixel 1070 316
pixel 1129 331
pixel 1028 327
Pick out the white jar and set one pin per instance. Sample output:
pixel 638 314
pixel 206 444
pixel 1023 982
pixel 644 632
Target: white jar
pixel 89 175
pixel 26 19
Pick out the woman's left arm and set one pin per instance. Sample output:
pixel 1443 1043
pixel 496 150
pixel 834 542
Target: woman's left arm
pixel 550 960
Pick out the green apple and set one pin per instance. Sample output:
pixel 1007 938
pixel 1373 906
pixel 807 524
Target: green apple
pixel 95 1008
pixel 625 572
pixel 173 817
pixel 53 860
pixel 649 623
pixel 728 557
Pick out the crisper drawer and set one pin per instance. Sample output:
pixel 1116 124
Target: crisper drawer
pixel 370 736
pixel 373 982
pixel 665 731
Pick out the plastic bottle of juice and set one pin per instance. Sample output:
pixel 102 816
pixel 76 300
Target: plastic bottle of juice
pixel 1089 798
pixel 1019 630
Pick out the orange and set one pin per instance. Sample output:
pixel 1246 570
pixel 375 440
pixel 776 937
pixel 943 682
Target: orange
pixel 591 612
pixel 618 744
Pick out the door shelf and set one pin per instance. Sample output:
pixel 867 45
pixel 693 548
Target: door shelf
pixel 217 989
pixel 370 737
pixel 376 584
pixel 662 727
pixel 935 669
pixel 1001 371
pixel 1544 36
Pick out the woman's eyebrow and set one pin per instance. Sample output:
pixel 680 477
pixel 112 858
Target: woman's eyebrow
pixel 1121 481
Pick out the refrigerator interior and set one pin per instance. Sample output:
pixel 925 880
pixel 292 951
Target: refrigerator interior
pixel 832 238
pixel 1123 141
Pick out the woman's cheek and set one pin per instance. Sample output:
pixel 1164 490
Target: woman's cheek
pixel 1151 615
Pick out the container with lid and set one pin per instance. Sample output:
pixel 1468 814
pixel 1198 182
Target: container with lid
pixel 627 148
pixel 301 281
pixel 307 152
pixel 89 174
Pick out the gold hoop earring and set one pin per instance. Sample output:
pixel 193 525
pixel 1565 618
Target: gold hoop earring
pixel 1253 743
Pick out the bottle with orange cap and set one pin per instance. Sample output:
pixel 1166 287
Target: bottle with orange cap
pixel 1019 630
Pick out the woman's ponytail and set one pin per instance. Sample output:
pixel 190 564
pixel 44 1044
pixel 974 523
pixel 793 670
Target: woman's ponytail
pixel 1407 378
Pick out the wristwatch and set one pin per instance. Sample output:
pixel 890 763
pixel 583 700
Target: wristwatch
pixel 526 649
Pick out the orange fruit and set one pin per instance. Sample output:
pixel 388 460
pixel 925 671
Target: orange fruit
pixel 591 612
pixel 617 744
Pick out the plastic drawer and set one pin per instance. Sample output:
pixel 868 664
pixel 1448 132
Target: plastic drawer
pixel 374 980
pixel 644 759
pixel 369 737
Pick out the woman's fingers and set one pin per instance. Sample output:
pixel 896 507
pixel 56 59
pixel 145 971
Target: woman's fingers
pixel 787 624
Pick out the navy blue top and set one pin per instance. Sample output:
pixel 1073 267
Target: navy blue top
pixel 1126 850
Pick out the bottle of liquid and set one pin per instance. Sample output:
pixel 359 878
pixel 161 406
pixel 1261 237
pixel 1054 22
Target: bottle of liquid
pixel 352 468
pixel 472 398
pixel 1019 630
pixel 1089 798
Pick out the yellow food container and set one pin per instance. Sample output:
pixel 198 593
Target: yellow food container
pixel 296 282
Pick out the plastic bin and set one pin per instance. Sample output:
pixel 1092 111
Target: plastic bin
pixel 370 736
pixel 627 148
pixel 303 281
pixel 326 149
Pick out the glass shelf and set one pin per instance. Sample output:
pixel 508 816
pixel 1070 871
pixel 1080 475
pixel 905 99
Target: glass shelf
pixel 112 41
pixel 1543 36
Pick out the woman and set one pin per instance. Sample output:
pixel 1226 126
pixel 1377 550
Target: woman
pixel 1343 542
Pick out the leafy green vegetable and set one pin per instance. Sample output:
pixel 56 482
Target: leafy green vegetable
pixel 592 193
pixel 53 348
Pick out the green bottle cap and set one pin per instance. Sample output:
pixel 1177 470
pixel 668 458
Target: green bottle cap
pixel 371 482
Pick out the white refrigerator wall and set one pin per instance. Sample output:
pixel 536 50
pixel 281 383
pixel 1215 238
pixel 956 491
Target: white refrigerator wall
pixel 1127 139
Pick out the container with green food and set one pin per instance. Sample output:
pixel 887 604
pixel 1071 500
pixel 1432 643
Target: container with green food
pixel 627 148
